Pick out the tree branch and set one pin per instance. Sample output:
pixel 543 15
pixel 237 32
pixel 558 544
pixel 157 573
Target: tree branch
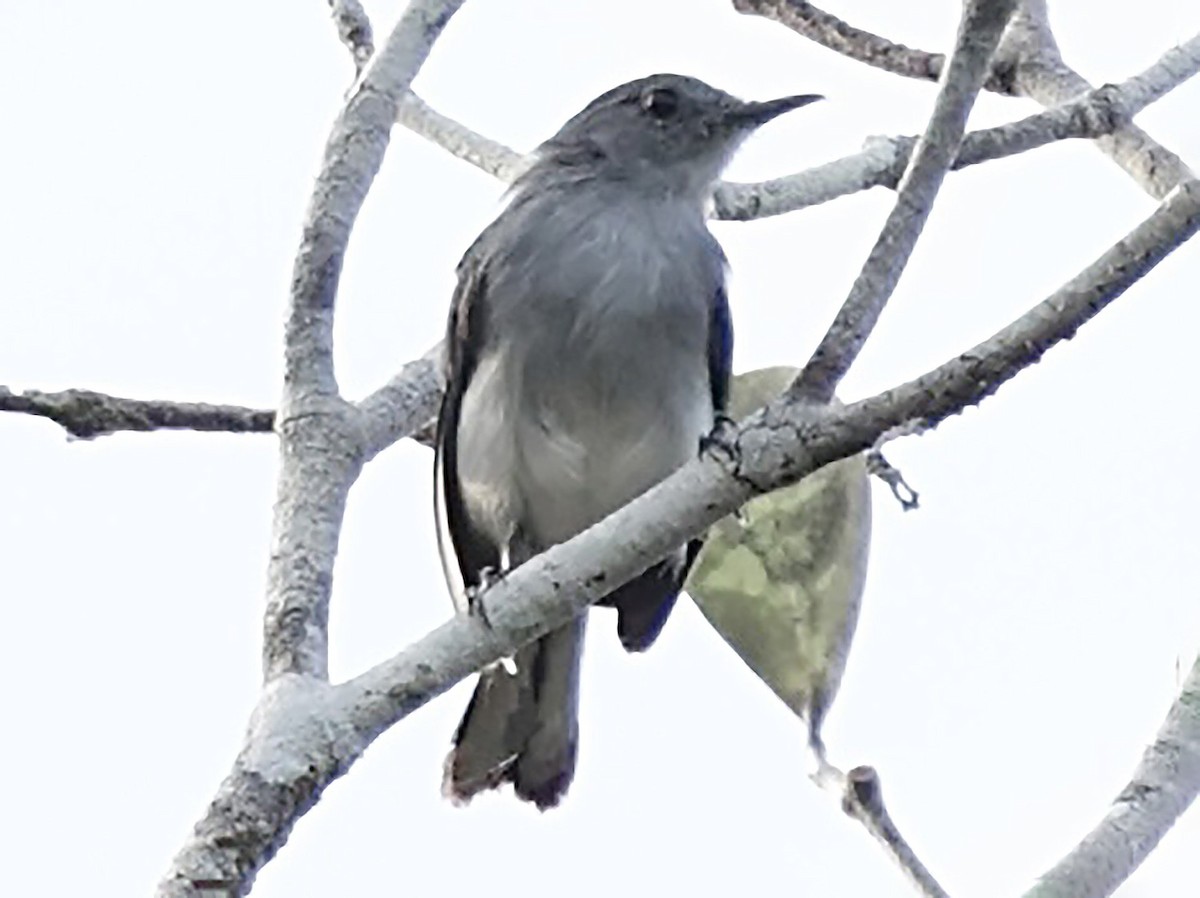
pixel 322 449
pixel 1030 53
pixel 831 32
pixel 491 156
pixel 1163 786
pixel 354 30
pixel 979 33
pixel 85 413
pixel 405 406
pixel 1027 64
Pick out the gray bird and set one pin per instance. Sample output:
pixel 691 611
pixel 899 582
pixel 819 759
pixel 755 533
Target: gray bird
pixel 588 354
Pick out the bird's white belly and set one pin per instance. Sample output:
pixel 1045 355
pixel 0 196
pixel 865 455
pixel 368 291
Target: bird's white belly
pixel 576 466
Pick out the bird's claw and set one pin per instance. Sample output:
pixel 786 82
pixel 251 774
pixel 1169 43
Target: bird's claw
pixel 720 440
pixel 488 577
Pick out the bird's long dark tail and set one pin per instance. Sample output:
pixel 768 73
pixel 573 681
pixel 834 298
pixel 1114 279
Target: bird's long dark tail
pixel 522 727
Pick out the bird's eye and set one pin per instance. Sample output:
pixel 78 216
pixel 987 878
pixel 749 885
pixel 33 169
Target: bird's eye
pixel 662 103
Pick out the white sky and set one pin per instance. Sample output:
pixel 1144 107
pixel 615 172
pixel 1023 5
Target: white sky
pixel 1022 635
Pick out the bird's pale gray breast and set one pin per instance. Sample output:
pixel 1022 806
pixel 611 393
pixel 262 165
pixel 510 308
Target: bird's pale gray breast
pixel 594 383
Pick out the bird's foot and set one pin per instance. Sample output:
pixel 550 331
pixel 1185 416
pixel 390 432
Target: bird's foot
pixel 488 577
pixel 721 440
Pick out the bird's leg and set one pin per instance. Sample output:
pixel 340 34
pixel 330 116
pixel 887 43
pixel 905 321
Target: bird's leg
pixel 720 440
pixel 488 577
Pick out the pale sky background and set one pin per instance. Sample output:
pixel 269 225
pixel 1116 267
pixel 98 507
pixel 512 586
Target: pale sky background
pixel 1022 634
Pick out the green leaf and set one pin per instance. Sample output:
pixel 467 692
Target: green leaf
pixel 782 582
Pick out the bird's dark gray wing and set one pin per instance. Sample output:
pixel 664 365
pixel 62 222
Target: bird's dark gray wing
pixel 472 551
pixel 720 350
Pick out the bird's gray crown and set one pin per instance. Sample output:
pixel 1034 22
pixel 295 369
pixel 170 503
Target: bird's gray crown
pixel 663 133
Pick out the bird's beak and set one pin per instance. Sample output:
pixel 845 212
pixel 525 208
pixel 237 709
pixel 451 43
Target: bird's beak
pixel 753 115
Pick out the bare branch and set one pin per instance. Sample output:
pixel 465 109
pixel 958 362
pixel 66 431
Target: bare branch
pixel 831 32
pixel 1027 64
pixel 491 156
pixel 405 405
pixel 354 30
pixel 85 413
pixel 1163 786
pixel 883 162
pixel 979 34
pixel 321 436
pixel 979 372
pixel 322 449
pixel 1176 66
pixel 1031 54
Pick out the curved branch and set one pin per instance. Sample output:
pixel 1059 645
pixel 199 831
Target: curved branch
pixel 1163 786
pixel 322 448
pixel 321 441
pixel 979 34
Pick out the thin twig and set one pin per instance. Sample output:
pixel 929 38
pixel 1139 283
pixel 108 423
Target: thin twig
pixel 979 34
pixel 842 37
pixel 85 414
pixel 491 156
